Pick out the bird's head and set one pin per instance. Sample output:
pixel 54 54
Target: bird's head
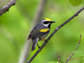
pixel 47 22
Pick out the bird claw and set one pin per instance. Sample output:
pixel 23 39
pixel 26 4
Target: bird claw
pixel 38 45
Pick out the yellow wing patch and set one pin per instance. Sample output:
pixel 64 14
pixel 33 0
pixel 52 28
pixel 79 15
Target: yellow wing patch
pixel 44 30
pixel 47 19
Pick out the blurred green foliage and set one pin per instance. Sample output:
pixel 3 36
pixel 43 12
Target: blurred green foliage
pixel 75 2
pixel 15 26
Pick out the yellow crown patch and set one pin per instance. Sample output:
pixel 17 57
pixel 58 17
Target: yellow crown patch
pixel 47 19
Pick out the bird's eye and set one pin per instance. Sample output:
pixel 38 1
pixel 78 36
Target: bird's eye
pixel 46 22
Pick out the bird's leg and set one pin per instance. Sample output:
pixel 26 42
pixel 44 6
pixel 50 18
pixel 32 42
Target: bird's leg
pixel 38 45
pixel 43 40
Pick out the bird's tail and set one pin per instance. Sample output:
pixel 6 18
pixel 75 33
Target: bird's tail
pixel 34 43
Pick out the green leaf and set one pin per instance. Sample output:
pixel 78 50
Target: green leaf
pixel 58 62
pixel 52 62
pixel 80 53
pixel 75 2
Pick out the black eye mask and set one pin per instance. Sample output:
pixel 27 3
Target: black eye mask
pixel 46 22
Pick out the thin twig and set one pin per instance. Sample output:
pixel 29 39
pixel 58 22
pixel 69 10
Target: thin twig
pixel 36 18
pixel 58 58
pixel 40 12
pixel 76 14
pixel 75 50
pixel 7 6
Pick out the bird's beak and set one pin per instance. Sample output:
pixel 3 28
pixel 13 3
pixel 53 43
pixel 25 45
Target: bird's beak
pixel 52 21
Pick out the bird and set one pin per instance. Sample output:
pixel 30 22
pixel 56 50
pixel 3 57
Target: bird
pixel 40 31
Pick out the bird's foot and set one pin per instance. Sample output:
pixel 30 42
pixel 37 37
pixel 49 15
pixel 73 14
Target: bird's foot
pixel 44 40
pixel 38 45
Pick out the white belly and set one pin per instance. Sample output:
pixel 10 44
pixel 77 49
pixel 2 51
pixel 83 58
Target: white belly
pixel 44 36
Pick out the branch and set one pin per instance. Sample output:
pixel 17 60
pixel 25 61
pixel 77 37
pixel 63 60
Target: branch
pixel 37 17
pixel 75 50
pixel 58 58
pixel 39 11
pixel 76 14
pixel 7 6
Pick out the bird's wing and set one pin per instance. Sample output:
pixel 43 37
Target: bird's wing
pixel 37 33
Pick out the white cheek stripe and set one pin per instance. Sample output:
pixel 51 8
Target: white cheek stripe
pixel 46 24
